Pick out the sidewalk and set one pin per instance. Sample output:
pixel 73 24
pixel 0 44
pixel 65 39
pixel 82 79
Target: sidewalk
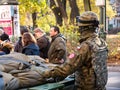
pixel 113 78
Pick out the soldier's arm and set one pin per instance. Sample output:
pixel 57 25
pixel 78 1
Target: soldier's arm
pixel 71 65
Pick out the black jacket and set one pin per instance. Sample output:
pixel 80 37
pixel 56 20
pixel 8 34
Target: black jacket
pixel 44 44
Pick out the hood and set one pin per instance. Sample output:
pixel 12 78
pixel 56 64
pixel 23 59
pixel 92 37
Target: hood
pixel 58 35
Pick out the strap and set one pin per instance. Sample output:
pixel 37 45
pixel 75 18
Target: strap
pixel 87 22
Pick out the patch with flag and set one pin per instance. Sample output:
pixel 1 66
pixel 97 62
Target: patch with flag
pixel 71 56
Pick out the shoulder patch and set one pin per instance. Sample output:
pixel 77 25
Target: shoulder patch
pixel 71 56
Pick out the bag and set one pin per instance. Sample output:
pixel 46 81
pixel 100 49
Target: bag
pixel 99 57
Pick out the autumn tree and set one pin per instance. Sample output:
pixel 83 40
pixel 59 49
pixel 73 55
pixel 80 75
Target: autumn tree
pixel 63 12
pixel 87 5
pixel 59 9
pixel 32 7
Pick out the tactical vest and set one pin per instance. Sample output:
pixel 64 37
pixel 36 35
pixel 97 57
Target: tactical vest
pixel 99 57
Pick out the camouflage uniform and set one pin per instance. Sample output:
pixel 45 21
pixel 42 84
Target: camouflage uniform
pixel 90 70
pixel 57 50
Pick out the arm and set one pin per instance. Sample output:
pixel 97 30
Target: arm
pixel 18 47
pixel 71 65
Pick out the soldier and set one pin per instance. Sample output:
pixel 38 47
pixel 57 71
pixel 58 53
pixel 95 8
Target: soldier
pixel 89 63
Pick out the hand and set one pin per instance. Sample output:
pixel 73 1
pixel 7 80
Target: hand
pixel 61 61
pixel 46 60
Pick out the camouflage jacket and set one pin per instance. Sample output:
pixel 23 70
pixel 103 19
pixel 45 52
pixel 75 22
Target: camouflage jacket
pixel 81 64
pixel 57 50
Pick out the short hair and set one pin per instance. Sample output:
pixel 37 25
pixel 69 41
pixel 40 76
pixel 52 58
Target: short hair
pixel 23 29
pixel 56 28
pixel 38 30
pixel 4 37
pixel 29 38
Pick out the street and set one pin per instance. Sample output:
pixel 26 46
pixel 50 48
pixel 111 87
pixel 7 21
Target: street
pixel 113 80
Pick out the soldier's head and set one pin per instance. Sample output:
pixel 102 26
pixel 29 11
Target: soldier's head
pixel 87 21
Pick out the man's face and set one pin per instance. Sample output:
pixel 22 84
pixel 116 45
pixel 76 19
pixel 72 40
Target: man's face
pixel 52 32
pixel 37 34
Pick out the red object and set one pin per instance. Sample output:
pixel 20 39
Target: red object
pixel 7 26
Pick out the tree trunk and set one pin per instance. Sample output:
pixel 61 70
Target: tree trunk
pixel 63 11
pixel 64 4
pixel 74 11
pixel 87 5
pixel 57 12
pixel 34 17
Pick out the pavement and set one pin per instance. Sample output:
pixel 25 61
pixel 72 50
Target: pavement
pixel 113 78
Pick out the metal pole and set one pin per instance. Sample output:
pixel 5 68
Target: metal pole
pixel 103 21
pixel 104 15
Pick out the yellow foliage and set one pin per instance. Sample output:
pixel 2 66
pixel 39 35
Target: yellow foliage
pixel 110 13
pixel 27 6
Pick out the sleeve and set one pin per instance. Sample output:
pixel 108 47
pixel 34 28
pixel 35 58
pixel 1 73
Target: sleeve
pixel 60 48
pixel 18 46
pixel 71 65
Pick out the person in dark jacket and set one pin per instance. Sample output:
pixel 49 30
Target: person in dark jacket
pixel 42 41
pixel 57 51
pixel 30 44
pixel 18 46
pixel 4 36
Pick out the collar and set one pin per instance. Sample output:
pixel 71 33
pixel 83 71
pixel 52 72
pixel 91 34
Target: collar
pixel 87 34
pixel 54 37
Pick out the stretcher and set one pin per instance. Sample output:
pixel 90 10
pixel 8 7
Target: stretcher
pixel 54 86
